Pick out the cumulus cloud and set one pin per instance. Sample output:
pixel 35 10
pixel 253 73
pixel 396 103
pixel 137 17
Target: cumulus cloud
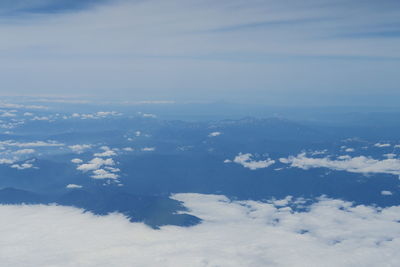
pixel 107 153
pixel 112 169
pixel 246 161
pixel 103 174
pixel 76 161
pixel 233 233
pixel 100 168
pixel 23 166
pixel 214 134
pixel 79 149
pixel 95 164
pixel 360 164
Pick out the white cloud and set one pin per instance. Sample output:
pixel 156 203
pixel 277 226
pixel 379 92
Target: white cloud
pixel 247 233
pixel 148 115
pixel 31 144
pixel 100 168
pixel 104 114
pixel 107 153
pixel 6 161
pixel 381 145
pixel 8 114
pixel 23 166
pixel 386 193
pixel 89 116
pixel 349 149
pixel 360 164
pixel 76 161
pixel 95 164
pixel 24 151
pixel 246 161
pixel 11 105
pixel 214 134
pixel 97 115
pixel 128 149
pixel 73 186
pixel 103 174
pixel 43 118
pixel 148 149
pixel 112 169
pixel 319 152
pixel 79 149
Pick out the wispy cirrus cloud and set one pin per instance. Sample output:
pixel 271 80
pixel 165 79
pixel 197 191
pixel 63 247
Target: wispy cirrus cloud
pixel 24 8
pixel 257 44
pixel 49 143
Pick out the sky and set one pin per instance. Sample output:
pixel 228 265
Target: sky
pixel 311 52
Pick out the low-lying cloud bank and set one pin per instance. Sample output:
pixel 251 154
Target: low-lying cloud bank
pixel 247 233
pixel 360 164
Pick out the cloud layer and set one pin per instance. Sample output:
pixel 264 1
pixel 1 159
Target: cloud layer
pixel 248 233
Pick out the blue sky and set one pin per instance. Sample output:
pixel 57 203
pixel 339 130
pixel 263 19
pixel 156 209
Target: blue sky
pixel 274 52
